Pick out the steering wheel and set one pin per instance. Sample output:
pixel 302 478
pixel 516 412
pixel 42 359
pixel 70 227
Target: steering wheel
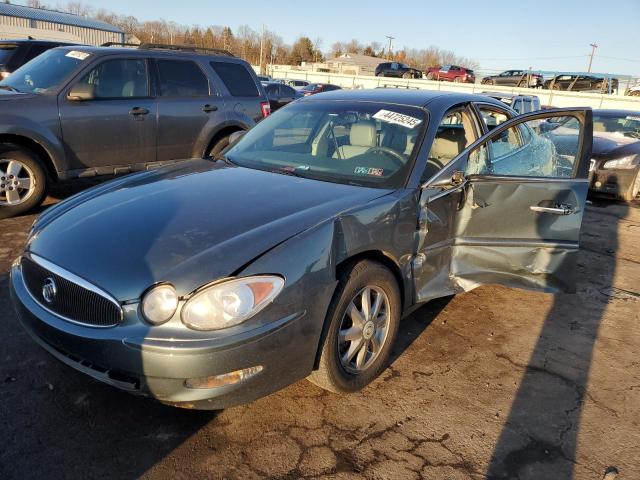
pixel 397 157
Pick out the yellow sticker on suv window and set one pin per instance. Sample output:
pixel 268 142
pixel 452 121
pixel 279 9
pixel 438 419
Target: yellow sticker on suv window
pixel 78 55
pixel 397 118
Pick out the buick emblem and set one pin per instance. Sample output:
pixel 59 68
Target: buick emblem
pixel 49 290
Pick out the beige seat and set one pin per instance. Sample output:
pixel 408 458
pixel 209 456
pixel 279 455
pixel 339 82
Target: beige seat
pixel 447 145
pixel 362 137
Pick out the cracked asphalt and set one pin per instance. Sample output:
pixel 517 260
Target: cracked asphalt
pixel 494 383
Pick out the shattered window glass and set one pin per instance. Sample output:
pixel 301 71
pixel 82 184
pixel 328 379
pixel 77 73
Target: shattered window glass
pixel 537 148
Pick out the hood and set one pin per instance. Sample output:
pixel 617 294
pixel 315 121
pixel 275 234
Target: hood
pixel 614 145
pixel 11 95
pixel 188 224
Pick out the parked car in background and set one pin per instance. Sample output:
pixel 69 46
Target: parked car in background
pixel 15 53
pixel 314 88
pixel 297 84
pixel 520 103
pixel 615 161
pixel 280 95
pixel 81 111
pixel 515 78
pixel 633 90
pixel 397 70
pixel 265 78
pixel 581 83
pixel 210 284
pixel 451 73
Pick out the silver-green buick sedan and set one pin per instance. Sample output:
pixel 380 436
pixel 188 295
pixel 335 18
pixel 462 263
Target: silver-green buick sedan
pixel 296 253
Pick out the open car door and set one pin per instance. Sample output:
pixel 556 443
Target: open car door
pixel 508 209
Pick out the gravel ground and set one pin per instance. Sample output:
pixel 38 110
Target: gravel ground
pixel 494 383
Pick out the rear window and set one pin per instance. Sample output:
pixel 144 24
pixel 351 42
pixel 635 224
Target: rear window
pixel 179 78
pixel 236 78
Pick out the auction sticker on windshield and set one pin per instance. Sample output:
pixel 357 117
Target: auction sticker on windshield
pixel 397 118
pixel 77 55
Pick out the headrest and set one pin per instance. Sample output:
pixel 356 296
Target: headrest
pixel 448 143
pixel 363 134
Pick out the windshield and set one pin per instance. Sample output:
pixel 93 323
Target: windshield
pixel 45 72
pixel 627 125
pixel 311 86
pixel 360 143
pixel 6 51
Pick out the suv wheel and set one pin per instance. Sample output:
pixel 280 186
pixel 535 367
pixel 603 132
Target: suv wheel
pixel 23 181
pixel 363 323
pixel 407 75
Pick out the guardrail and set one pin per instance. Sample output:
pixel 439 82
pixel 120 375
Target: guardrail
pixel 547 97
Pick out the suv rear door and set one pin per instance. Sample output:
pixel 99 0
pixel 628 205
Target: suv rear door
pixel 245 94
pixel 508 209
pixel 117 126
pixel 189 109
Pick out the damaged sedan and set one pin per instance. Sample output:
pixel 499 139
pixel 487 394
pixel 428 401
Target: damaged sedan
pixel 296 253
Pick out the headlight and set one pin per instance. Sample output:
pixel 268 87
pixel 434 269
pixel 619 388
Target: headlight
pixel 229 303
pixel 624 162
pixel 159 304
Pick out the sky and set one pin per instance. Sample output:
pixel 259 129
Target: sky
pixel 499 34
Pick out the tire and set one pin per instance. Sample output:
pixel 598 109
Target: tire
pixel 633 190
pixel 489 82
pixel 407 75
pixel 219 146
pixel 429 76
pixel 18 166
pixel 457 79
pixel 556 87
pixel 333 373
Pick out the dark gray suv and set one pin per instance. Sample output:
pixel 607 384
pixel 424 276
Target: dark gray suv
pixel 84 111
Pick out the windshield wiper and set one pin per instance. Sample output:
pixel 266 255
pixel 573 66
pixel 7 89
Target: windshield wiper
pixel 10 88
pixel 221 158
pixel 287 171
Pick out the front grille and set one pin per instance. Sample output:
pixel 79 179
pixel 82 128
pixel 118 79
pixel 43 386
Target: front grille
pixel 71 301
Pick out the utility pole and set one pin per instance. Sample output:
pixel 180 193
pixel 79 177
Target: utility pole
pixel 262 70
pixel 593 51
pixel 390 38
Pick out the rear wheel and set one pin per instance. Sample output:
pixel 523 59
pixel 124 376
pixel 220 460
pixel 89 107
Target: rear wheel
pixel 219 146
pixel 363 323
pixel 488 82
pixel 407 75
pixel 457 79
pixel 23 181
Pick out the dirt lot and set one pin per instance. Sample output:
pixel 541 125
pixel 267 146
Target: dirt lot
pixel 496 382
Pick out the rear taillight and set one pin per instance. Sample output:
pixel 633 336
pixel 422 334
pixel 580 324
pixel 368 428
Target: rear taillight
pixel 265 108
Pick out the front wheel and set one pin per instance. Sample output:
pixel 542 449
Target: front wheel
pixel 23 181
pixel 219 146
pixel 363 321
pixel 633 191
pixel 407 75
pixel 429 76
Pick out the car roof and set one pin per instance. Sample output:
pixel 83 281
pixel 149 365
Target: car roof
pixel 615 112
pixel 30 41
pixel 145 52
pixel 416 98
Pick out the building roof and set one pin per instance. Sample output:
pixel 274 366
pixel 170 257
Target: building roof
pixel 44 15
pixel 357 59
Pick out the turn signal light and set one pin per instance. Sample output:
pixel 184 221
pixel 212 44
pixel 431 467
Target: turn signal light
pixel 265 108
pixel 224 379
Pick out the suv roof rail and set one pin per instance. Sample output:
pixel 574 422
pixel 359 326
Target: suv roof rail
pixel 178 48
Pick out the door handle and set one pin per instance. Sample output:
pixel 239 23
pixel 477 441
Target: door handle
pixel 561 209
pixel 135 111
pixel 209 108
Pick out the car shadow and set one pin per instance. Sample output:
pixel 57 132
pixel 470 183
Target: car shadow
pixel 414 324
pixel 540 436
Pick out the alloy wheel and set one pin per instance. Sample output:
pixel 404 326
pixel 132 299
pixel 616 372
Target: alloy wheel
pixel 17 182
pixel 363 329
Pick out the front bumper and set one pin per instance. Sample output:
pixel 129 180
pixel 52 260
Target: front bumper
pixel 158 367
pixel 612 181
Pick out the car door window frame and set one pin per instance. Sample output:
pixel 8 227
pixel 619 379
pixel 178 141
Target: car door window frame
pixel 157 91
pixel 97 63
pixel 580 168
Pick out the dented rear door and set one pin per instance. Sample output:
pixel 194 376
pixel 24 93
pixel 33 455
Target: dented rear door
pixel 515 213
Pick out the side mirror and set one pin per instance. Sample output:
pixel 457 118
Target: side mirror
pixel 81 92
pixel 235 136
pixel 456 179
